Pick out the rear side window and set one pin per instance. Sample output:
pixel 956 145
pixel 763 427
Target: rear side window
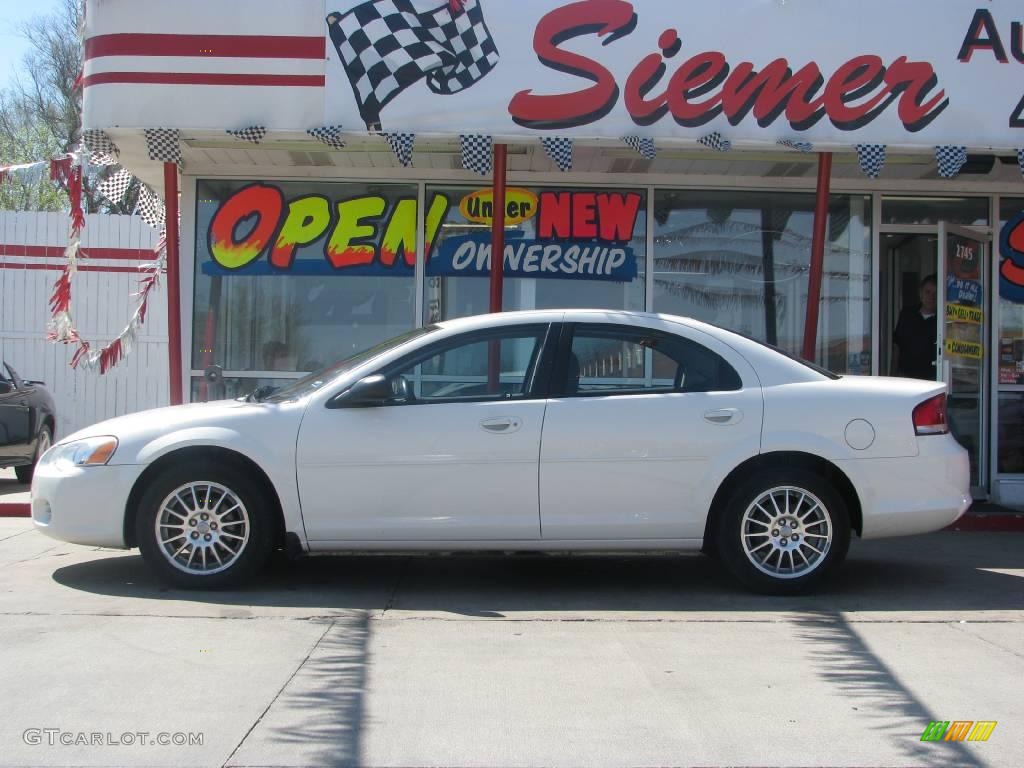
pixel 609 360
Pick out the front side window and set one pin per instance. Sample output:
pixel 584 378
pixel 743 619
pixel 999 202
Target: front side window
pixel 479 368
pixel 610 360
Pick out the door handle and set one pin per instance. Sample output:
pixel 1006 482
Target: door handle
pixel 724 416
pixel 501 426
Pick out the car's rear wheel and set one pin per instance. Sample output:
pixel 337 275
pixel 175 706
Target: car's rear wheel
pixel 199 527
pixel 25 472
pixel 784 532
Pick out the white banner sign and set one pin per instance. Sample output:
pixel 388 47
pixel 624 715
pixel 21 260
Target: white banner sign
pixel 903 73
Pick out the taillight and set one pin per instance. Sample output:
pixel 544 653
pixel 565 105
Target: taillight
pixel 930 416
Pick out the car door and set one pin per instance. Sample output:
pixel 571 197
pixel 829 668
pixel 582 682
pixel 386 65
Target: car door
pixel 454 458
pixel 15 418
pixel 642 426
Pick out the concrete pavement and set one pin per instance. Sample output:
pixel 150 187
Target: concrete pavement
pixel 519 660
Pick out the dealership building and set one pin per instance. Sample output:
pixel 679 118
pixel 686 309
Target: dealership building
pixel 337 167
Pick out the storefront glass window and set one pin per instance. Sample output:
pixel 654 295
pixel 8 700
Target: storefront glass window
pixel 1010 244
pixel 966 211
pixel 292 276
pixel 564 248
pixel 741 260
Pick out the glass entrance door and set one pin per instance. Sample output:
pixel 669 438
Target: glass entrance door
pixel 963 330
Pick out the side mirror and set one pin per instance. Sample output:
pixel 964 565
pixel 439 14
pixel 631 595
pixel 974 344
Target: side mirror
pixel 6 387
pixel 368 392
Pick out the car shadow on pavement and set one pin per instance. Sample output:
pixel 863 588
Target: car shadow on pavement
pixel 964 572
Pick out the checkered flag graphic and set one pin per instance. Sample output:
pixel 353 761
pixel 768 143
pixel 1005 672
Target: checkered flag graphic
pixel 1020 160
pixel 387 45
pixel 477 153
pixel 871 158
pixel 331 135
pixel 799 146
pixel 643 146
pixel 151 209
pixel 164 145
pixel 102 151
pixel 559 150
pixel 716 142
pixel 115 186
pixel 950 159
pixel 253 133
pixel 401 144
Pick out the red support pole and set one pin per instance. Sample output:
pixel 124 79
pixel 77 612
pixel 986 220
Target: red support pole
pixel 173 281
pixel 817 254
pixel 498 227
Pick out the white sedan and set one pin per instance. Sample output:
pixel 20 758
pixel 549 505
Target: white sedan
pixel 546 430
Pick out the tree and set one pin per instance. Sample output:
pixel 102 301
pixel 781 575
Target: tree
pixel 41 112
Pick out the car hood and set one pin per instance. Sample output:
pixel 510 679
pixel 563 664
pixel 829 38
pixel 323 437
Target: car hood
pixel 221 416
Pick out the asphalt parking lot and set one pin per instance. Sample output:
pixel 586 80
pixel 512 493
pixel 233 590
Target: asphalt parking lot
pixel 517 660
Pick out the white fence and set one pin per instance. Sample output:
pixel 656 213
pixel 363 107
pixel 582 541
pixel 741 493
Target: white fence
pixel 31 257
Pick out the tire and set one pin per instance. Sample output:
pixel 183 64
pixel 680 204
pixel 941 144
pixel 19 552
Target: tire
pixel 25 472
pixel 240 538
pixel 821 536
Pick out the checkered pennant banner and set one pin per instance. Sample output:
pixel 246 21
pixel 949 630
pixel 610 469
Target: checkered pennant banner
pixel 253 133
pixel 799 146
pixel 102 151
pixel 115 186
pixel 641 145
pixel 559 150
pixel 950 160
pixel 331 135
pixel 401 144
pixel 164 145
pixel 477 153
pixel 1020 160
pixel 716 142
pixel 871 158
pixel 387 45
pixel 151 209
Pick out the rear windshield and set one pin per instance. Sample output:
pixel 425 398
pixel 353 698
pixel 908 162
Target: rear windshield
pixel 806 363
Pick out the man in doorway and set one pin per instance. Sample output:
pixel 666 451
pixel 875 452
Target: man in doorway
pixel 916 335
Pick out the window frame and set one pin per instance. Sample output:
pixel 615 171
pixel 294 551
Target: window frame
pixel 537 378
pixel 560 372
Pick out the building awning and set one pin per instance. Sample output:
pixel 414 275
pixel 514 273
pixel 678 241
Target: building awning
pixel 875 79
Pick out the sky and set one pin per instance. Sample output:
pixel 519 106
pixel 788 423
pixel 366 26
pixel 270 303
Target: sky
pixel 12 45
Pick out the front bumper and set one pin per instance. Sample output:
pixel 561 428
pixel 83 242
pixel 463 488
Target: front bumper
pixel 916 494
pixel 84 505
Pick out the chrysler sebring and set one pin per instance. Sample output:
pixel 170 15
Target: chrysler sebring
pixel 545 430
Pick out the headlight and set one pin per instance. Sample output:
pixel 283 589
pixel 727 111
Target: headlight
pixel 91 452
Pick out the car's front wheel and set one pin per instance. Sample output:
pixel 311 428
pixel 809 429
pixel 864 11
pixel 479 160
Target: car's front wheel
pixel 199 527
pixel 784 531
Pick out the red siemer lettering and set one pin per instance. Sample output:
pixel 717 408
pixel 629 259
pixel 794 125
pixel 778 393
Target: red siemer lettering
pixel 706 85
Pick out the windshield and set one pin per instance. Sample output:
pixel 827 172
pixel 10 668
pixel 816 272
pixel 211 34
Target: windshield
pixel 309 384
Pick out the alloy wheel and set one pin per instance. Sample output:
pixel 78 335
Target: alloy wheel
pixel 786 532
pixel 202 528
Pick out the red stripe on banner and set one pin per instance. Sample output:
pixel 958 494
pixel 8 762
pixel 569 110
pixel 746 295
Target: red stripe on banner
pixel 16 510
pixel 55 251
pixel 60 267
pixel 212 46
pixel 201 78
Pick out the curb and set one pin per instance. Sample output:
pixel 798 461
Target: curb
pixel 988 522
pixel 16 510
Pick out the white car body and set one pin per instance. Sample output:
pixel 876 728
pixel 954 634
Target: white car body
pixel 622 472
